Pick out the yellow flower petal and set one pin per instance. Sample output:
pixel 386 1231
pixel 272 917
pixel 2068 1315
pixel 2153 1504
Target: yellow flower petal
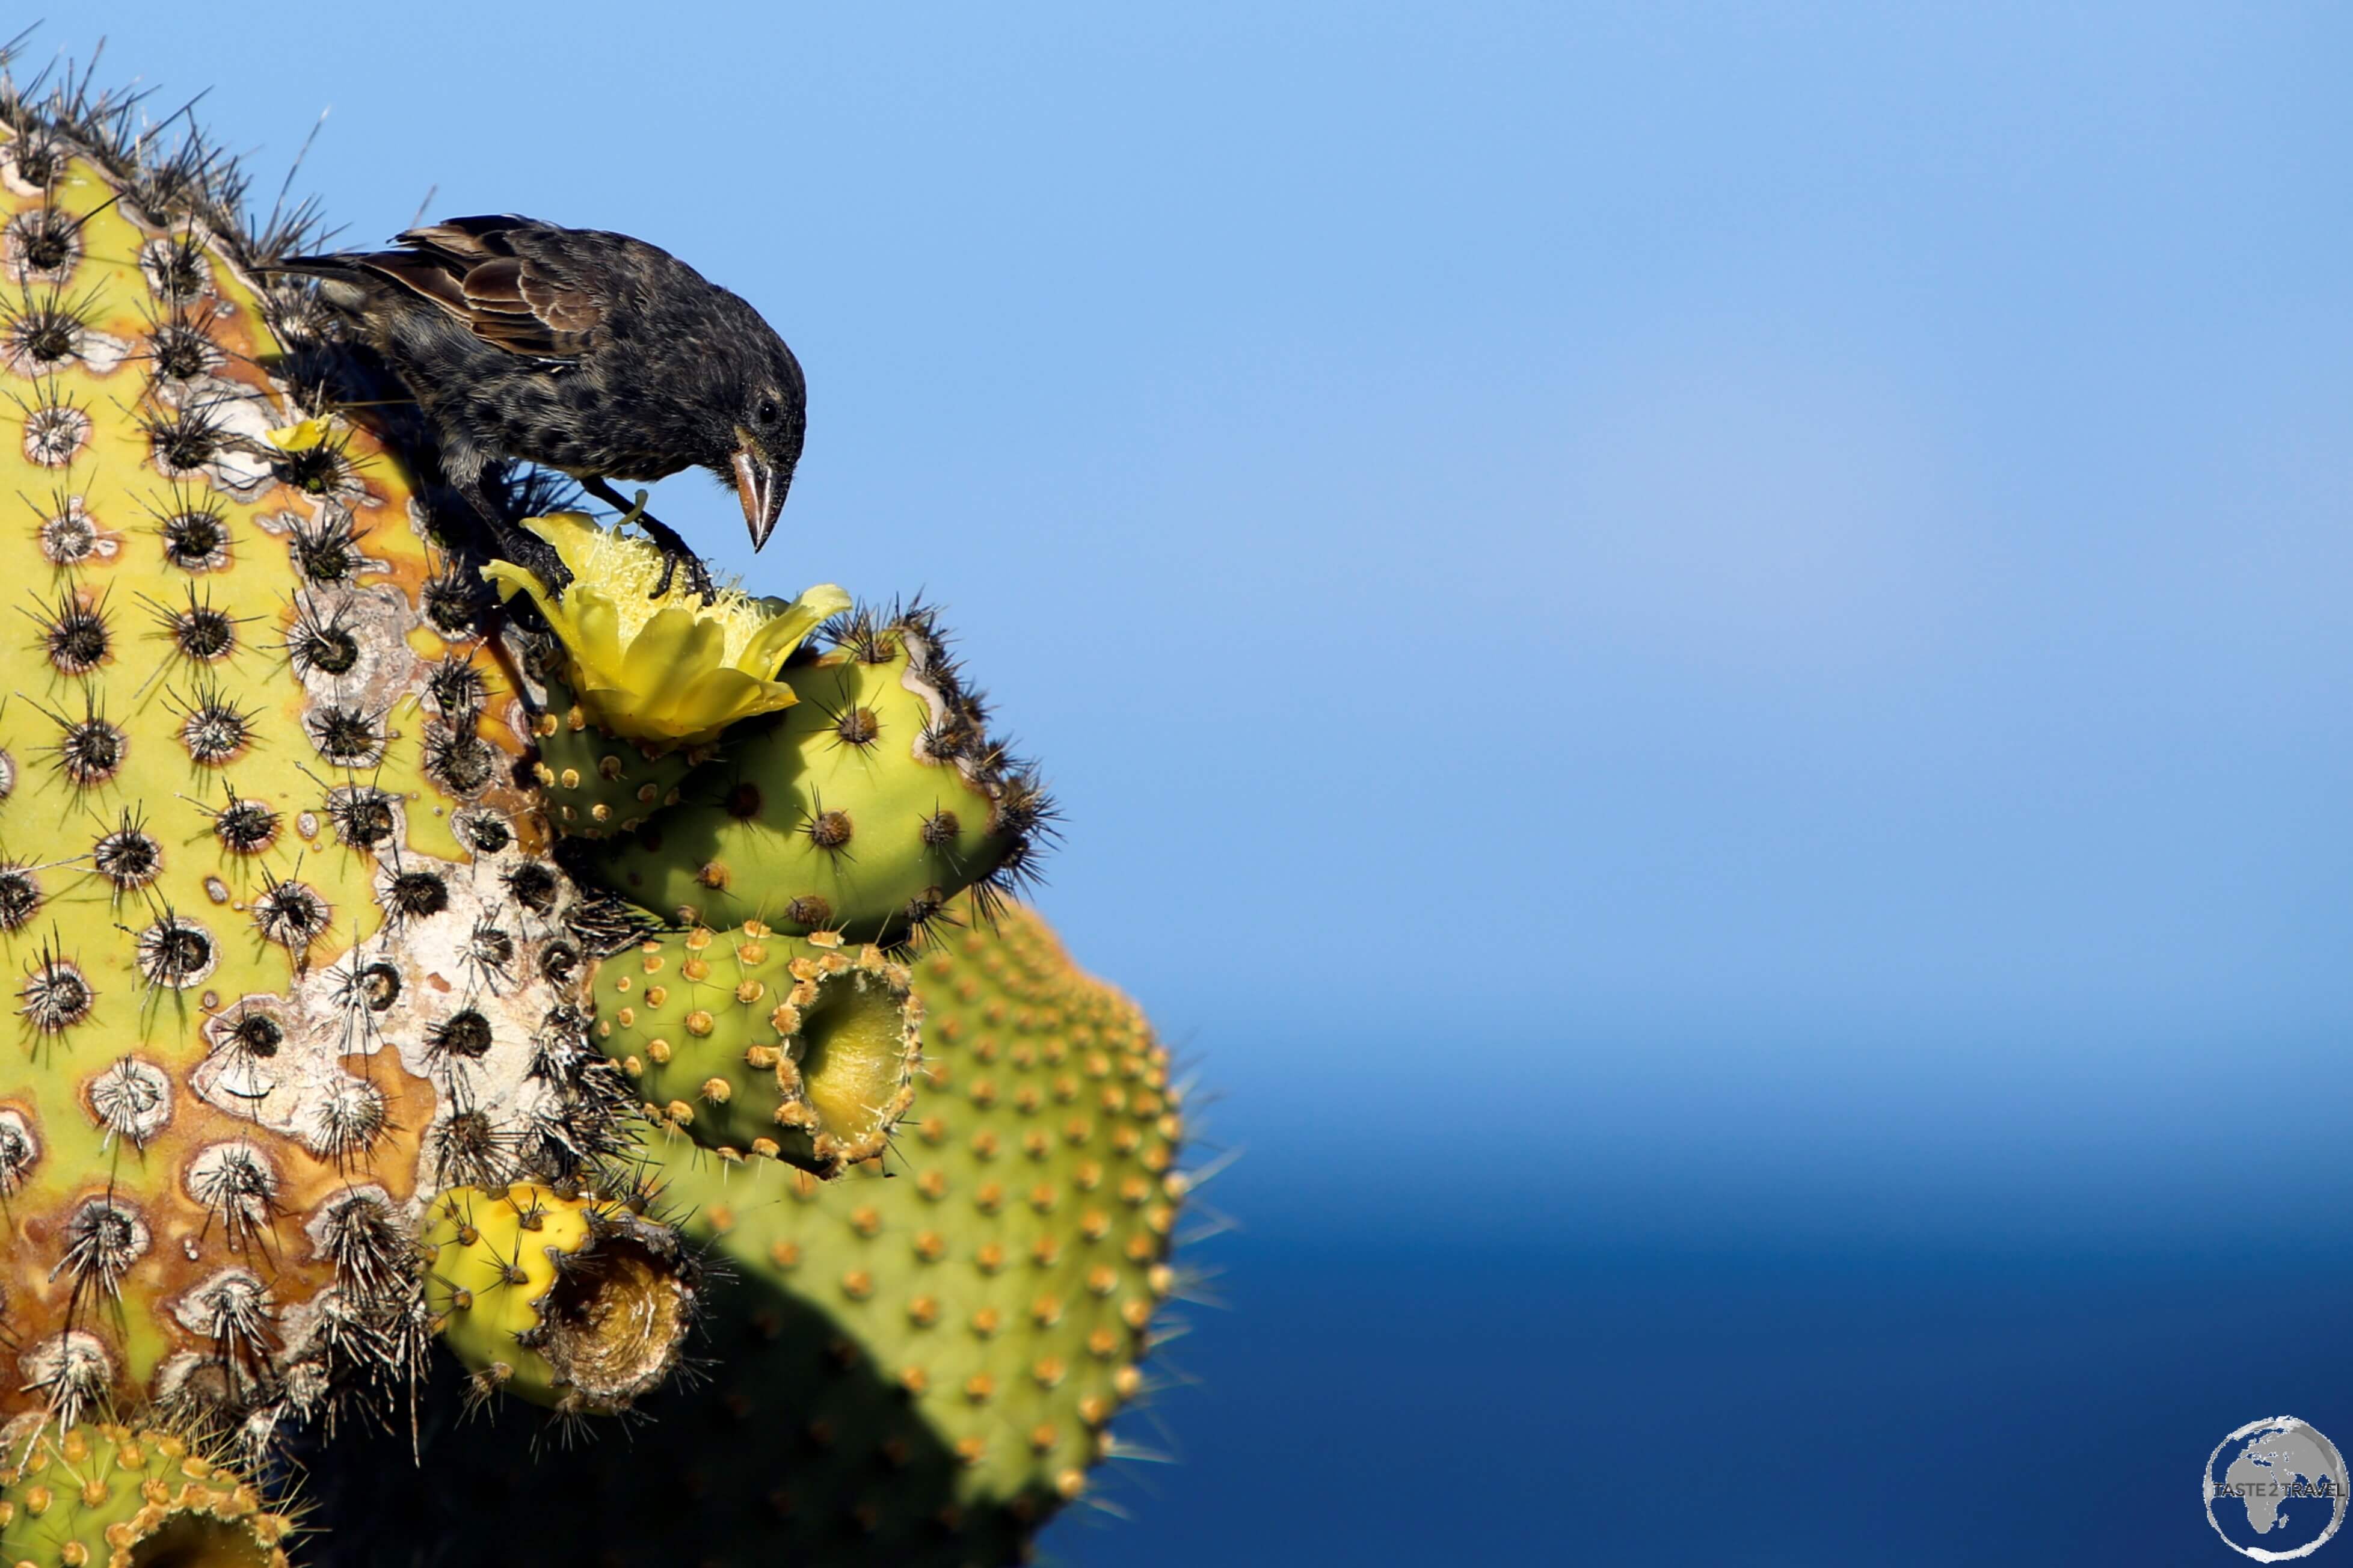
pixel 299 437
pixel 773 643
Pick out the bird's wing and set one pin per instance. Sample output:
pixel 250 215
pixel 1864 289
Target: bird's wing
pixel 511 293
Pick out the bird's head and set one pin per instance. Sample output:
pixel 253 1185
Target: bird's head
pixel 768 421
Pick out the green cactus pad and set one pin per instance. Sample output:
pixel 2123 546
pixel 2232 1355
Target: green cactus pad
pixel 753 1043
pixel 860 809
pixel 94 1496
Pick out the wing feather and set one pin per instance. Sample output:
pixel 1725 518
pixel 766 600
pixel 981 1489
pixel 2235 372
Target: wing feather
pixel 520 297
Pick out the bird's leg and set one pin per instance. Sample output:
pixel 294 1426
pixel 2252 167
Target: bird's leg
pixel 521 545
pixel 675 551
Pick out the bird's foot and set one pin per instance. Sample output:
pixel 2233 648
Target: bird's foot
pixel 526 550
pixel 675 553
pixel 521 545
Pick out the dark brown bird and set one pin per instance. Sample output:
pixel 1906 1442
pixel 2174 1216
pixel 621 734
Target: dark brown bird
pixel 578 350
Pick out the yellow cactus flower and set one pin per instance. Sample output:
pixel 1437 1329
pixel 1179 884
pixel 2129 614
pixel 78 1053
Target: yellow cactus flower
pixel 669 672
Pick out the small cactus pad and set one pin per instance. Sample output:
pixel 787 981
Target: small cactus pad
pixel 94 1496
pixel 576 1304
pixel 596 783
pixel 283 953
pixel 863 808
pixel 753 1043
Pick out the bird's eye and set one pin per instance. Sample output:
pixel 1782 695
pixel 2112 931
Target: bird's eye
pixel 767 411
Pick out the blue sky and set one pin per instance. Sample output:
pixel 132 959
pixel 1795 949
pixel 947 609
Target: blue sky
pixel 1831 509
pixel 1732 613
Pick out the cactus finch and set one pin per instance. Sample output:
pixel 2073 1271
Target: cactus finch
pixel 578 350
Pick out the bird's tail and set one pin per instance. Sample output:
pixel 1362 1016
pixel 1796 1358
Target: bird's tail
pixel 328 266
pixel 344 280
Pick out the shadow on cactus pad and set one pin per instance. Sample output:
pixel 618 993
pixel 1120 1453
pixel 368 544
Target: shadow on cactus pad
pixel 829 1465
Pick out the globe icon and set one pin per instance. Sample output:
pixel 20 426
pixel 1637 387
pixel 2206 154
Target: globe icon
pixel 2275 1489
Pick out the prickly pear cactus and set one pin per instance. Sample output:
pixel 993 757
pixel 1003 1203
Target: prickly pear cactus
pixel 392 954
pixel 915 1366
pixel 638 690
pixel 597 783
pixel 103 1496
pixel 285 951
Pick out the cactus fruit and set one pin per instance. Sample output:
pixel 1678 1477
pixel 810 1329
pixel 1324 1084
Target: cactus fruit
pixel 862 809
pixel 571 1302
pixel 91 1496
pixel 753 1043
pixel 915 1369
pixel 284 954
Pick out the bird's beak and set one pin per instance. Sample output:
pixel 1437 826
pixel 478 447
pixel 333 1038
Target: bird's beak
pixel 762 489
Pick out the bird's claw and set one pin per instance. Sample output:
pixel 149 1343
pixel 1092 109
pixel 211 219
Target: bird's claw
pixel 675 553
pixel 547 566
pixel 698 576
